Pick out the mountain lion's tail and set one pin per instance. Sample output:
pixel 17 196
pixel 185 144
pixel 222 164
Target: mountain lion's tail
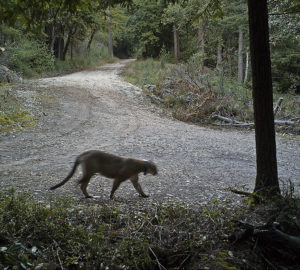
pixel 69 175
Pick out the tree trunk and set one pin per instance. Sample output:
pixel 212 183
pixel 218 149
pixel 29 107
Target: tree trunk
pixel 71 49
pixel 176 42
pixel 240 56
pixel 200 43
pixel 66 47
pixel 53 36
pixel 220 55
pixel 246 67
pixel 70 36
pixel 59 47
pixel 90 40
pixel 266 162
pixel 59 42
pixel 110 39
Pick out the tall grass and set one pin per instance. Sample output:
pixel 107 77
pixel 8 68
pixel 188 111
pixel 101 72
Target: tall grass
pixel 144 72
pixel 95 57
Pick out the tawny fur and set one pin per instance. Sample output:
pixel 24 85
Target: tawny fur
pixel 111 166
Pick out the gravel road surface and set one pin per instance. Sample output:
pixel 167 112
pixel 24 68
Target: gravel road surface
pixel 96 109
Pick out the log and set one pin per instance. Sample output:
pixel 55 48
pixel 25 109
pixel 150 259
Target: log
pixel 284 122
pixel 232 122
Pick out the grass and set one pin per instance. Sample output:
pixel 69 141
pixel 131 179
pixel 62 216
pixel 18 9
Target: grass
pixel 144 72
pixel 96 57
pixel 103 237
pixel 13 114
pixel 64 233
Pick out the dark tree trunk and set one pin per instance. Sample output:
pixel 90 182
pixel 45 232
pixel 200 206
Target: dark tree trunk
pixel 90 40
pixel 59 42
pixel 200 43
pixel 267 176
pixel 240 57
pixel 219 55
pixel 70 36
pixel 53 37
pixel 176 42
pixel 59 47
pixel 66 47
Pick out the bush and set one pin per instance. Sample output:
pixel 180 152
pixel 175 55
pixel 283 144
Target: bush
pixel 28 57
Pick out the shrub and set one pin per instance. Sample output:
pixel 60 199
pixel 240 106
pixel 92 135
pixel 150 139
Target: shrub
pixel 28 57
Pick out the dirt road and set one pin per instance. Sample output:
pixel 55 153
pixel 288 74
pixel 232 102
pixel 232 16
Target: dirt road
pixel 98 110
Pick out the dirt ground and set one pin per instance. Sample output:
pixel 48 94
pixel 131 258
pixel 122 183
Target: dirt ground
pixel 96 109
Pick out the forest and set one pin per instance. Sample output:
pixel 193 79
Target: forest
pixel 37 35
pixel 231 67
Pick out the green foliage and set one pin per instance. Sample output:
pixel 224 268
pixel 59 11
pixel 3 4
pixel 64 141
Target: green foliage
pixel 144 72
pixel 30 58
pixel 88 237
pixel 64 232
pixel 25 54
pixel 195 97
pixel 95 57
pixel 13 115
pixel 285 51
pixel 42 234
pixel 144 28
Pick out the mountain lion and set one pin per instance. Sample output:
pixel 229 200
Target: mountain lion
pixel 110 166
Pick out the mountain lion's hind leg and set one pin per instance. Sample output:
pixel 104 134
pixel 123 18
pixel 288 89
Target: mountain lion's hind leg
pixel 116 184
pixel 84 181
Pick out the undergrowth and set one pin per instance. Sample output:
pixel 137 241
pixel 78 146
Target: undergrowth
pixel 28 56
pixel 143 72
pixel 65 234
pixel 62 233
pixel 194 96
pixel 95 57
pixel 13 114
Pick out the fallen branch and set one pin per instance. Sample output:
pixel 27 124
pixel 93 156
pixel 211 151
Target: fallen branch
pixel 272 244
pixel 284 122
pixel 232 122
pixel 277 105
pixel 294 119
pixel 252 195
pixel 160 266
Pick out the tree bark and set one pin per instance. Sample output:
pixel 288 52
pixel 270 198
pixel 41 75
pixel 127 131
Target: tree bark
pixel 53 37
pixel 110 34
pixel 240 56
pixel 200 43
pixel 66 47
pixel 246 67
pixel 219 55
pixel 90 40
pixel 59 42
pixel 70 36
pixel 176 42
pixel 266 162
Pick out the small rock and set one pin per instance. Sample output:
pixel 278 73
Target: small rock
pixel 151 87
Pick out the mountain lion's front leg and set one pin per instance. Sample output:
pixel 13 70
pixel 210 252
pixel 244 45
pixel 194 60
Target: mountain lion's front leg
pixel 134 180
